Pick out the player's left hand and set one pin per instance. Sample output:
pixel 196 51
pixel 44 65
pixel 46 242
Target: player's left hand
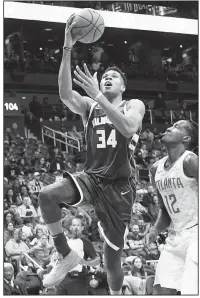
pixel 86 81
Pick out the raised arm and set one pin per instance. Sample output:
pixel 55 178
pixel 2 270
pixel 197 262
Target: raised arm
pixel 72 99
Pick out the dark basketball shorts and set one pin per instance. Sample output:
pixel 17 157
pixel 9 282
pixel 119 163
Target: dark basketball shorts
pixel 112 200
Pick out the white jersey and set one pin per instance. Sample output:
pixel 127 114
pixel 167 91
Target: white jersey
pixel 179 193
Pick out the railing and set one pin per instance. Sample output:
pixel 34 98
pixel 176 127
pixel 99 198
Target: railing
pixel 155 114
pixel 21 267
pixel 66 141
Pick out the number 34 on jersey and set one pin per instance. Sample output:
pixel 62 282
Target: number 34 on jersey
pixel 110 141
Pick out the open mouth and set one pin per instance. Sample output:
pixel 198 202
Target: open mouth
pixel 108 84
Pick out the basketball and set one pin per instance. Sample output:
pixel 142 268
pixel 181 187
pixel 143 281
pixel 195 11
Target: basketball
pixel 89 26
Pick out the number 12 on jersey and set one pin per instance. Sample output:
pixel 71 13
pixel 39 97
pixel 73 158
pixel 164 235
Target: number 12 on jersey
pixel 111 141
pixel 171 201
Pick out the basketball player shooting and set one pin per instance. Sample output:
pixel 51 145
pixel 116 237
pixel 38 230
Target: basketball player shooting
pixel 112 130
pixel 176 179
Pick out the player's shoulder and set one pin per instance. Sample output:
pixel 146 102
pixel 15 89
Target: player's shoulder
pixel 136 104
pixel 191 159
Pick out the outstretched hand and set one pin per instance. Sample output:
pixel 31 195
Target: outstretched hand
pixel 86 81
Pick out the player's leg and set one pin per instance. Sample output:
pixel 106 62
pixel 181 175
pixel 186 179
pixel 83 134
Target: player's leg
pixel 115 275
pixel 189 283
pixel 168 273
pixel 51 198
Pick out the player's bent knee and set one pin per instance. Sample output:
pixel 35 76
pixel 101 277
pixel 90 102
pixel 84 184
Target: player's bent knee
pixel 44 197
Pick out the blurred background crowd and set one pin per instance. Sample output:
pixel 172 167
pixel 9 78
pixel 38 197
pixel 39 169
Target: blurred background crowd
pixel 43 139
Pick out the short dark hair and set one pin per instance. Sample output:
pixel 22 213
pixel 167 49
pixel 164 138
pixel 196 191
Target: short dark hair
pixel 115 68
pixel 193 132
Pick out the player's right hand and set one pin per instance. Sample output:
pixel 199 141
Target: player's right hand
pixel 153 234
pixel 69 40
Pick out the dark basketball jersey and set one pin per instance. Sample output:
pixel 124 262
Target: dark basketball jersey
pixel 108 151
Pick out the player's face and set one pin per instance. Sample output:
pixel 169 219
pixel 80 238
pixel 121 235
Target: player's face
pixel 111 83
pixel 176 133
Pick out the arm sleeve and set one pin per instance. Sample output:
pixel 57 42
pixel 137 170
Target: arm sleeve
pixel 88 249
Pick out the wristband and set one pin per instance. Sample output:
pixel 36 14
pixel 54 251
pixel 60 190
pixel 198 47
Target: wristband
pixel 67 48
pixel 98 96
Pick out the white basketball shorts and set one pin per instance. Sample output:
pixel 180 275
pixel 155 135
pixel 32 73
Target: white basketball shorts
pixel 180 248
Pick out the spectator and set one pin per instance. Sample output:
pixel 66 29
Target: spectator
pixel 14 247
pixel 26 209
pixel 16 217
pixel 21 180
pixel 24 190
pixel 46 108
pixel 57 164
pixel 75 134
pixel 35 185
pixel 14 131
pixel 12 170
pixel 135 240
pixel 41 252
pixel 27 229
pixel 148 197
pixel 41 165
pixel 22 164
pixel 9 286
pixel 10 197
pixel 41 225
pixel 57 151
pixel 9 232
pixel 138 269
pixel 143 228
pixel 133 285
pixel 36 240
pixel 8 217
pixel 35 107
pixel 159 104
pixel 138 209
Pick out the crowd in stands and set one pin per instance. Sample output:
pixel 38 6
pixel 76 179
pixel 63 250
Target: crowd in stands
pixel 134 64
pixel 29 165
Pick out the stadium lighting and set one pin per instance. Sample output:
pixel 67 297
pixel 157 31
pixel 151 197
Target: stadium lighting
pixel 125 41
pixel 40 49
pixel 58 14
pixel 181 46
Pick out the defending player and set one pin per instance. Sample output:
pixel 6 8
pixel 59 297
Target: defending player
pixel 175 177
pixel 112 130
